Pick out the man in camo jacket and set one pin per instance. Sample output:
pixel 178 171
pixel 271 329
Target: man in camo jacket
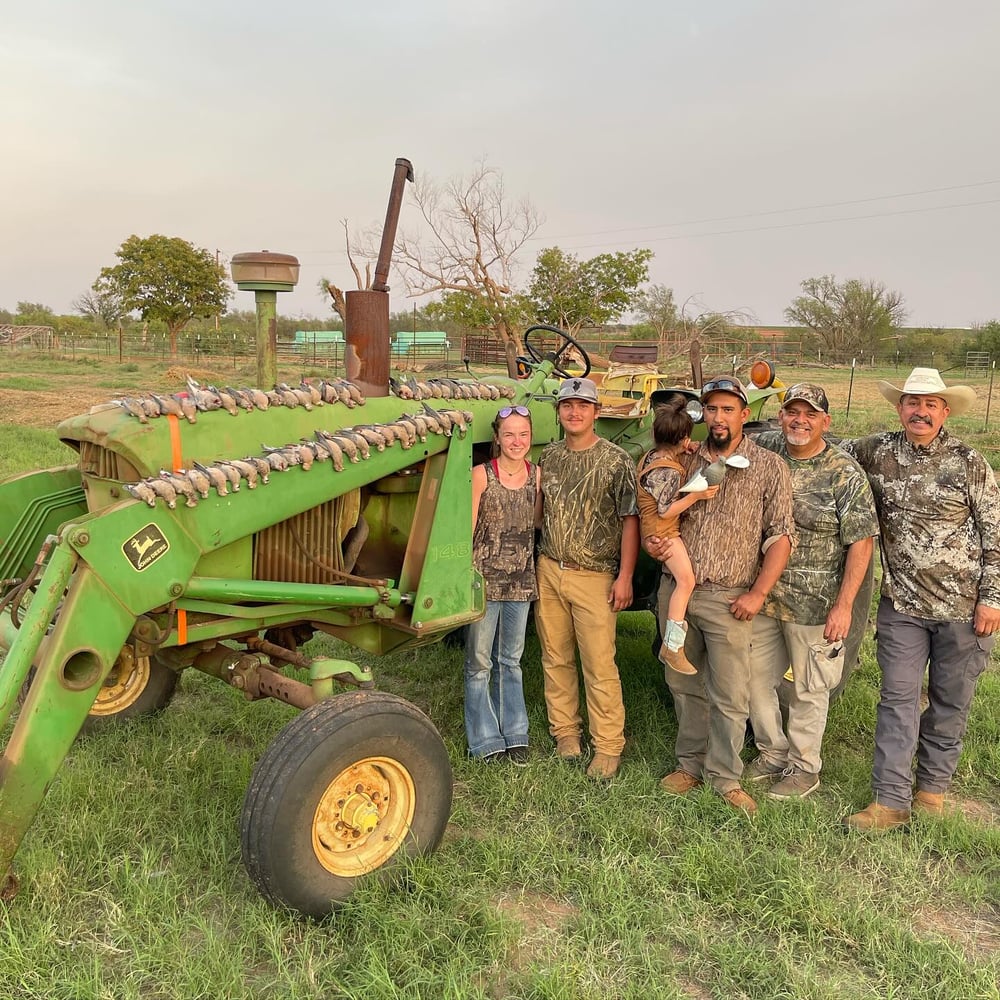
pixel 808 615
pixel 939 518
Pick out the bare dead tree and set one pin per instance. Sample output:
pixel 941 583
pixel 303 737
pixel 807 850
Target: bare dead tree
pixel 471 236
pixel 327 287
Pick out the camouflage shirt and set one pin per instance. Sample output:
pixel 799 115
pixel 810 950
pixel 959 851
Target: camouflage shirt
pixel 585 496
pixel 726 536
pixel 503 543
pixel 939 516
pixel 833 507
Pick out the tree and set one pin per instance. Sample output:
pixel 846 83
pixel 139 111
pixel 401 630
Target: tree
pixel 104 308
pixel 165 278
pixel 655 306
pixel 327 287
pixel 847 318
pixel 568 292
pixel 34 314
pixel 472 236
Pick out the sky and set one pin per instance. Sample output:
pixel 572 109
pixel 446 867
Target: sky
pixel 749 144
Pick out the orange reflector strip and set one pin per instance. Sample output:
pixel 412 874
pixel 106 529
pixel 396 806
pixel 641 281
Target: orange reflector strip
pixel 176 459
pixel 182 627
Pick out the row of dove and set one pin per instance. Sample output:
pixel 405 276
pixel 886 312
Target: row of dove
pixel 351 444
pixel 202 399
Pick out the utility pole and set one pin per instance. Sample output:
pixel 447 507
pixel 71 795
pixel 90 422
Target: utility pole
pixel 216 312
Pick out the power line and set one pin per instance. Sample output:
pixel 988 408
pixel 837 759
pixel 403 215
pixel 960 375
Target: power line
pixel 790 225
pixel 773 211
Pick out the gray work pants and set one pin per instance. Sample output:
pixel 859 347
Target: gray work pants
pixel 713 705
pixel 816 669
pixel 957 657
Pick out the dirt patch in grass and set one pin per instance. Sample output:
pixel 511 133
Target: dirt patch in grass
pixel 976 934
pixel 27 408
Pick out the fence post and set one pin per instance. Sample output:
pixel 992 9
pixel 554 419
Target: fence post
pixel 989 396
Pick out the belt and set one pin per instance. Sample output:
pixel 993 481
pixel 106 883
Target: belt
pixel 563 564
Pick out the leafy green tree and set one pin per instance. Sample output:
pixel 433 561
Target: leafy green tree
pixel 847 318
pixel 568 292
pixel 988 338
pixel 657 310
pixel 165 278
pixel 34 314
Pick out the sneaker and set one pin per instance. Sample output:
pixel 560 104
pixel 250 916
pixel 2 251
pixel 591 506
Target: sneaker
pixel 739 799
pixel 794 784
pixel 680 782
pixel 761 769
pixel 603 767
pixel 568 749
pixel 877 818
pixel 518 756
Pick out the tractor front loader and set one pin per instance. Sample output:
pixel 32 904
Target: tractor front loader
pixel 222 544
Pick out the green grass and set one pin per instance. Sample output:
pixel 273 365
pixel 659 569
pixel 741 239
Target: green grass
pixel 546 885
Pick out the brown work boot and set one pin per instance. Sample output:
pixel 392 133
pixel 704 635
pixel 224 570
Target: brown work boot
pixel 929 803
pixel 568 749
pixel 877 818
pixel 680 782
pixel 603 767
pixel 676 660
pixel 739 799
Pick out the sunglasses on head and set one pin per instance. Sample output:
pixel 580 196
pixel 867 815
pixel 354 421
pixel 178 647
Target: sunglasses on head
pixel 723 385
pixel 505 412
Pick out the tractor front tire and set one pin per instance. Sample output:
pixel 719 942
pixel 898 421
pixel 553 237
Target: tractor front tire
pixel 137 687
pixel 349 787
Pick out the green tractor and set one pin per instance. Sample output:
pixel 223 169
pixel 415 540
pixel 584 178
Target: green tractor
pixel 177 542
pixel 219 529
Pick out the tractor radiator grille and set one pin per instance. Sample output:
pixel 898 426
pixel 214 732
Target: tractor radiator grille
pixel 98 461
pixel 283 551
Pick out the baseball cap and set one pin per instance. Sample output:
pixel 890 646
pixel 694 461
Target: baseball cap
pixel 724 383
pixel 578 388
pixel 808 393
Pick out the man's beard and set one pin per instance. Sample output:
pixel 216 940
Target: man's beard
pixel 721 439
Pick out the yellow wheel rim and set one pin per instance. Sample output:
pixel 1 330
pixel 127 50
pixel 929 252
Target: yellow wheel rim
pixel 129 677
pixel 363 817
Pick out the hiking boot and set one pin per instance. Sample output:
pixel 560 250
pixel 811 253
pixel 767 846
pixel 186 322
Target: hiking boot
pixel 680 782
pixel 877 818
pixel 761 769
pixel 739 799
pixel 603 767
pixel 929 803
pixel 497 757
pixel 794 784
pixel 568 749
pixel 518 756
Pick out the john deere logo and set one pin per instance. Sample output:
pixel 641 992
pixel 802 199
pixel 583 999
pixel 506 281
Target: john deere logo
pixel 145 547
pixel 576 385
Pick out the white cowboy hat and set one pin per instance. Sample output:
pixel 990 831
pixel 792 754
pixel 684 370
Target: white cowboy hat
pixel 928 382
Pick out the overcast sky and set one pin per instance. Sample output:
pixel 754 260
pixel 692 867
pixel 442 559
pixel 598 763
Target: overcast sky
pixel 750 144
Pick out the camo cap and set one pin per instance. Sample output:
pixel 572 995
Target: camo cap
pixel 578 388
pixel 808 393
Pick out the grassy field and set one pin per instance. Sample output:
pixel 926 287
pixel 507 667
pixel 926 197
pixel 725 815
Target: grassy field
pixel 546 885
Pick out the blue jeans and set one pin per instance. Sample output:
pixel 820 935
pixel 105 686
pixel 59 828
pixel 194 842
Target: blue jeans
pixel 495 716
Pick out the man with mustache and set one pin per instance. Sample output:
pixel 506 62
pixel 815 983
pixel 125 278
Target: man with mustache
pixel 738 543
pixel 939 519
pixel 807 616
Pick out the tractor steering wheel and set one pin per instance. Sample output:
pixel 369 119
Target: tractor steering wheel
pixel 566 341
